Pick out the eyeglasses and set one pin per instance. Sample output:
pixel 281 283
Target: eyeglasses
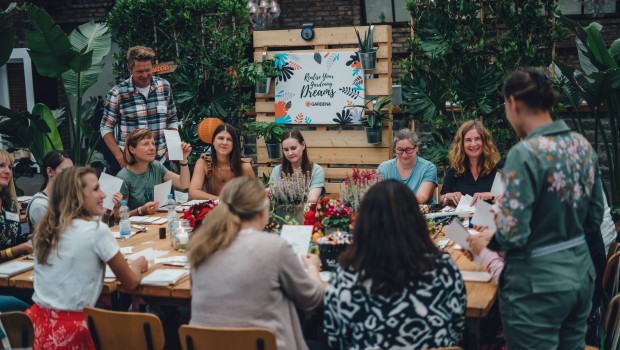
pixel 408 150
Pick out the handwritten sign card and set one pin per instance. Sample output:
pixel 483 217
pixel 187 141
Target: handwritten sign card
pixel 316 88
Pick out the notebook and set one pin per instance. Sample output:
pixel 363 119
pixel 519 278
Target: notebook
pixel 162 277
pixel 15 267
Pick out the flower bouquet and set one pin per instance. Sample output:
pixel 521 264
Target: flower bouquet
pixel 289 196
pixel 197 212
pixel 326 214
pixel 356 185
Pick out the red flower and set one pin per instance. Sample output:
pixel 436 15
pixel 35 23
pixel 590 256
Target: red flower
pixel 197 212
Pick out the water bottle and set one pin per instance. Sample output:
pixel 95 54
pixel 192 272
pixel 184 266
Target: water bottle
pixel 172 211
pixel 125 224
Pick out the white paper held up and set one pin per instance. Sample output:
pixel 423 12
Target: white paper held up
pixel 459 234
pixel 173 143
pixel 161 191
pixel 298 236
pixel 497 189
pixel 465 205
pixel 109 185
pixel 483 215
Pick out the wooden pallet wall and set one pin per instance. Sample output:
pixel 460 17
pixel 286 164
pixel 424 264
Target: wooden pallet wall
pixel 335 149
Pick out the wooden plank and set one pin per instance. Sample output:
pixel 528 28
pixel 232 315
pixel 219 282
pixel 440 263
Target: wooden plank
pixel 379 86
pixel 322 36
pixel 384 51
pixel 332 187
pixel 340 138
pixel 340 156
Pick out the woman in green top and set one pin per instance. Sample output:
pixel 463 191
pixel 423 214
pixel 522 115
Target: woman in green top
pixel 143 173
pixel 296 158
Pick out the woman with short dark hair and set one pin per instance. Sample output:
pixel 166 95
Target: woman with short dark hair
pixel 393 287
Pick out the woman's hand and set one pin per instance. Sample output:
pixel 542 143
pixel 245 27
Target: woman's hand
pixel 453 198
pixel 479 241
pixel 117 198
pixel 140 264
pixel 311 260
pixel 187 149
pixel 22 249
pixel 485 196
pixel 149 208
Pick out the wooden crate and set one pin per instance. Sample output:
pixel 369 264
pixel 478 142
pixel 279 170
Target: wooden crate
pixel 335 149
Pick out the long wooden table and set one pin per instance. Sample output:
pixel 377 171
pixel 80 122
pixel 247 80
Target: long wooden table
pixel 480 296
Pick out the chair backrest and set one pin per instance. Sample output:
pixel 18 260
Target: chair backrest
pixel 611 324
pixel 226 338
pixel 437 193
pixel 614 247
pixel 18 328
pixel 124 330
pixel 610 277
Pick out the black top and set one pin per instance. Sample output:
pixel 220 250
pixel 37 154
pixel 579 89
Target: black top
pixel 466 183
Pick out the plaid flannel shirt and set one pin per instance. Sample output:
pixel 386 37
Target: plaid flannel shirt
pixel 128 108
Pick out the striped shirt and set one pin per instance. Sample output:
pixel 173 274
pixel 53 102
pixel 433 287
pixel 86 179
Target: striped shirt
pixel 129 109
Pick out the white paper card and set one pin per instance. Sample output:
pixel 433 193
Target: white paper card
pixel 161 192
pixel 497 189
pixel 149 254
pixel 173 143
pixel 459 234
pixel 109 185
pixel 181 197
pixel 15 267
pixel 476 276
pixel 161 277
pixel 465 204
pixel 483 215
pixel 11 216
pixel 298 236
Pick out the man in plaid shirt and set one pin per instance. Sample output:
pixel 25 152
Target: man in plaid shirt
pixel 142 101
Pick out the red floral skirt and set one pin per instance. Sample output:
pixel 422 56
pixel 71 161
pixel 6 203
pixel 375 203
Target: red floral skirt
pixel 62 330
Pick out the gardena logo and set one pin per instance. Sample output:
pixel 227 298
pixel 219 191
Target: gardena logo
pixel 321 104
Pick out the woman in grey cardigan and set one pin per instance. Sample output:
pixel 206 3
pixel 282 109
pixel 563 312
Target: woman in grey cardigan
pixel 242 277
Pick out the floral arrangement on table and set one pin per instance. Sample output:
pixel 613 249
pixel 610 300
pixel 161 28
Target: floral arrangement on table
pixel 197 212
pixel 356 185
pixel 328 213
pixel 289 196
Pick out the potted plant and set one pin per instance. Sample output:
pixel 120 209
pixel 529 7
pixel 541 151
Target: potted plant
pixel 272 133
pixel 373 121
pixel 367 53
pixel 265 71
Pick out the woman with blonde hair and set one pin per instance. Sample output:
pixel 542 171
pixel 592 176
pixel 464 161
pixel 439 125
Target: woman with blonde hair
pixel 142 173
pixel 242 277
pixel 71 251
pixel 474 160
pixel 12 242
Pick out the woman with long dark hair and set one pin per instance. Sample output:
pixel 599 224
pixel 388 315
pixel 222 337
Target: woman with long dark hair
pixel 53 163
pixel 296 159
pixel 212 172
pixel 243 277
pixel 71 251
pixel 393 288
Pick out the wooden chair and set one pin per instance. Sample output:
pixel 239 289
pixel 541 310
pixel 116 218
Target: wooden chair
pixel 610 276
pixel 124 330
pixel 18 328
pixel 611 324
pixel 614 248
pixel 226 338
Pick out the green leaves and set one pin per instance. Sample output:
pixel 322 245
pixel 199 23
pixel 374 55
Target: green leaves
pixel 7 34
pixel 477 87
pixel 367 43
pixel 424 96
pixel 435 32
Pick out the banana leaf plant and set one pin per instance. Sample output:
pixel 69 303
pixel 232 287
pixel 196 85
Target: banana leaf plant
pixel 76 59
pixel 7 34
pixel 598 84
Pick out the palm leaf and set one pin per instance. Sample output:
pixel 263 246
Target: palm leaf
pixel 44 142
pixel 93 37
pixel 614 50
pixel 88 78
pixel 478 86
pixel 49 46
pixel 597 46
pixel 434 32
pixel 424 96
pixel 7 35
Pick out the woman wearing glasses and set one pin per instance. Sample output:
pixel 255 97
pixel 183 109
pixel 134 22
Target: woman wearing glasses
pixel 142 173
pixel 474 160
pixel 417 173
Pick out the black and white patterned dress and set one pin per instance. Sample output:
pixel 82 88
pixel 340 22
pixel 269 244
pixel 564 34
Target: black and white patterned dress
pixel 426 315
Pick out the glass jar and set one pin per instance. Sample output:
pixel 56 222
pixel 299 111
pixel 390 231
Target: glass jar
pixel 181 232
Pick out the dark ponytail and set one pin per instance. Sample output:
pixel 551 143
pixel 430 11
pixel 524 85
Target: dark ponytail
pixel 52 160
pixel 532 87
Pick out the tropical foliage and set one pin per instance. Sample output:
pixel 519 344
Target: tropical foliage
pixel 598 84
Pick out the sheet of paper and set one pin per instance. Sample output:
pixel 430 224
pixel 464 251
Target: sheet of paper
pixel 476 276
pixel 24 198
pixel 497 189
pixel 298 236
pixel 483 215
pixel 160 193
pixel 15 267
pixel 173 143
pixel 459 234
pixel 465 204
pixel 117 233
pixel 149 254
pixel 181 197
pixel 109 185
pixel 164 277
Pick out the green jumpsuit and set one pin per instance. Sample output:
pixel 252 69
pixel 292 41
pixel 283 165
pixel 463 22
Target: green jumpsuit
pixel 553 197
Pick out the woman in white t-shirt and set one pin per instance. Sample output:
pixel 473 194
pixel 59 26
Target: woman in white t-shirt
pixel 71 251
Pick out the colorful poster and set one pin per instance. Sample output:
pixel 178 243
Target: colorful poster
pixel 319 88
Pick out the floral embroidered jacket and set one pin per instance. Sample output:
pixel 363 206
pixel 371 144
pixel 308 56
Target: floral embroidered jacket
pixel 553 194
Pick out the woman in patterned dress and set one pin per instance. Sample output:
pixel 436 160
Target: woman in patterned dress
pixel 393 287
pixel 12 242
